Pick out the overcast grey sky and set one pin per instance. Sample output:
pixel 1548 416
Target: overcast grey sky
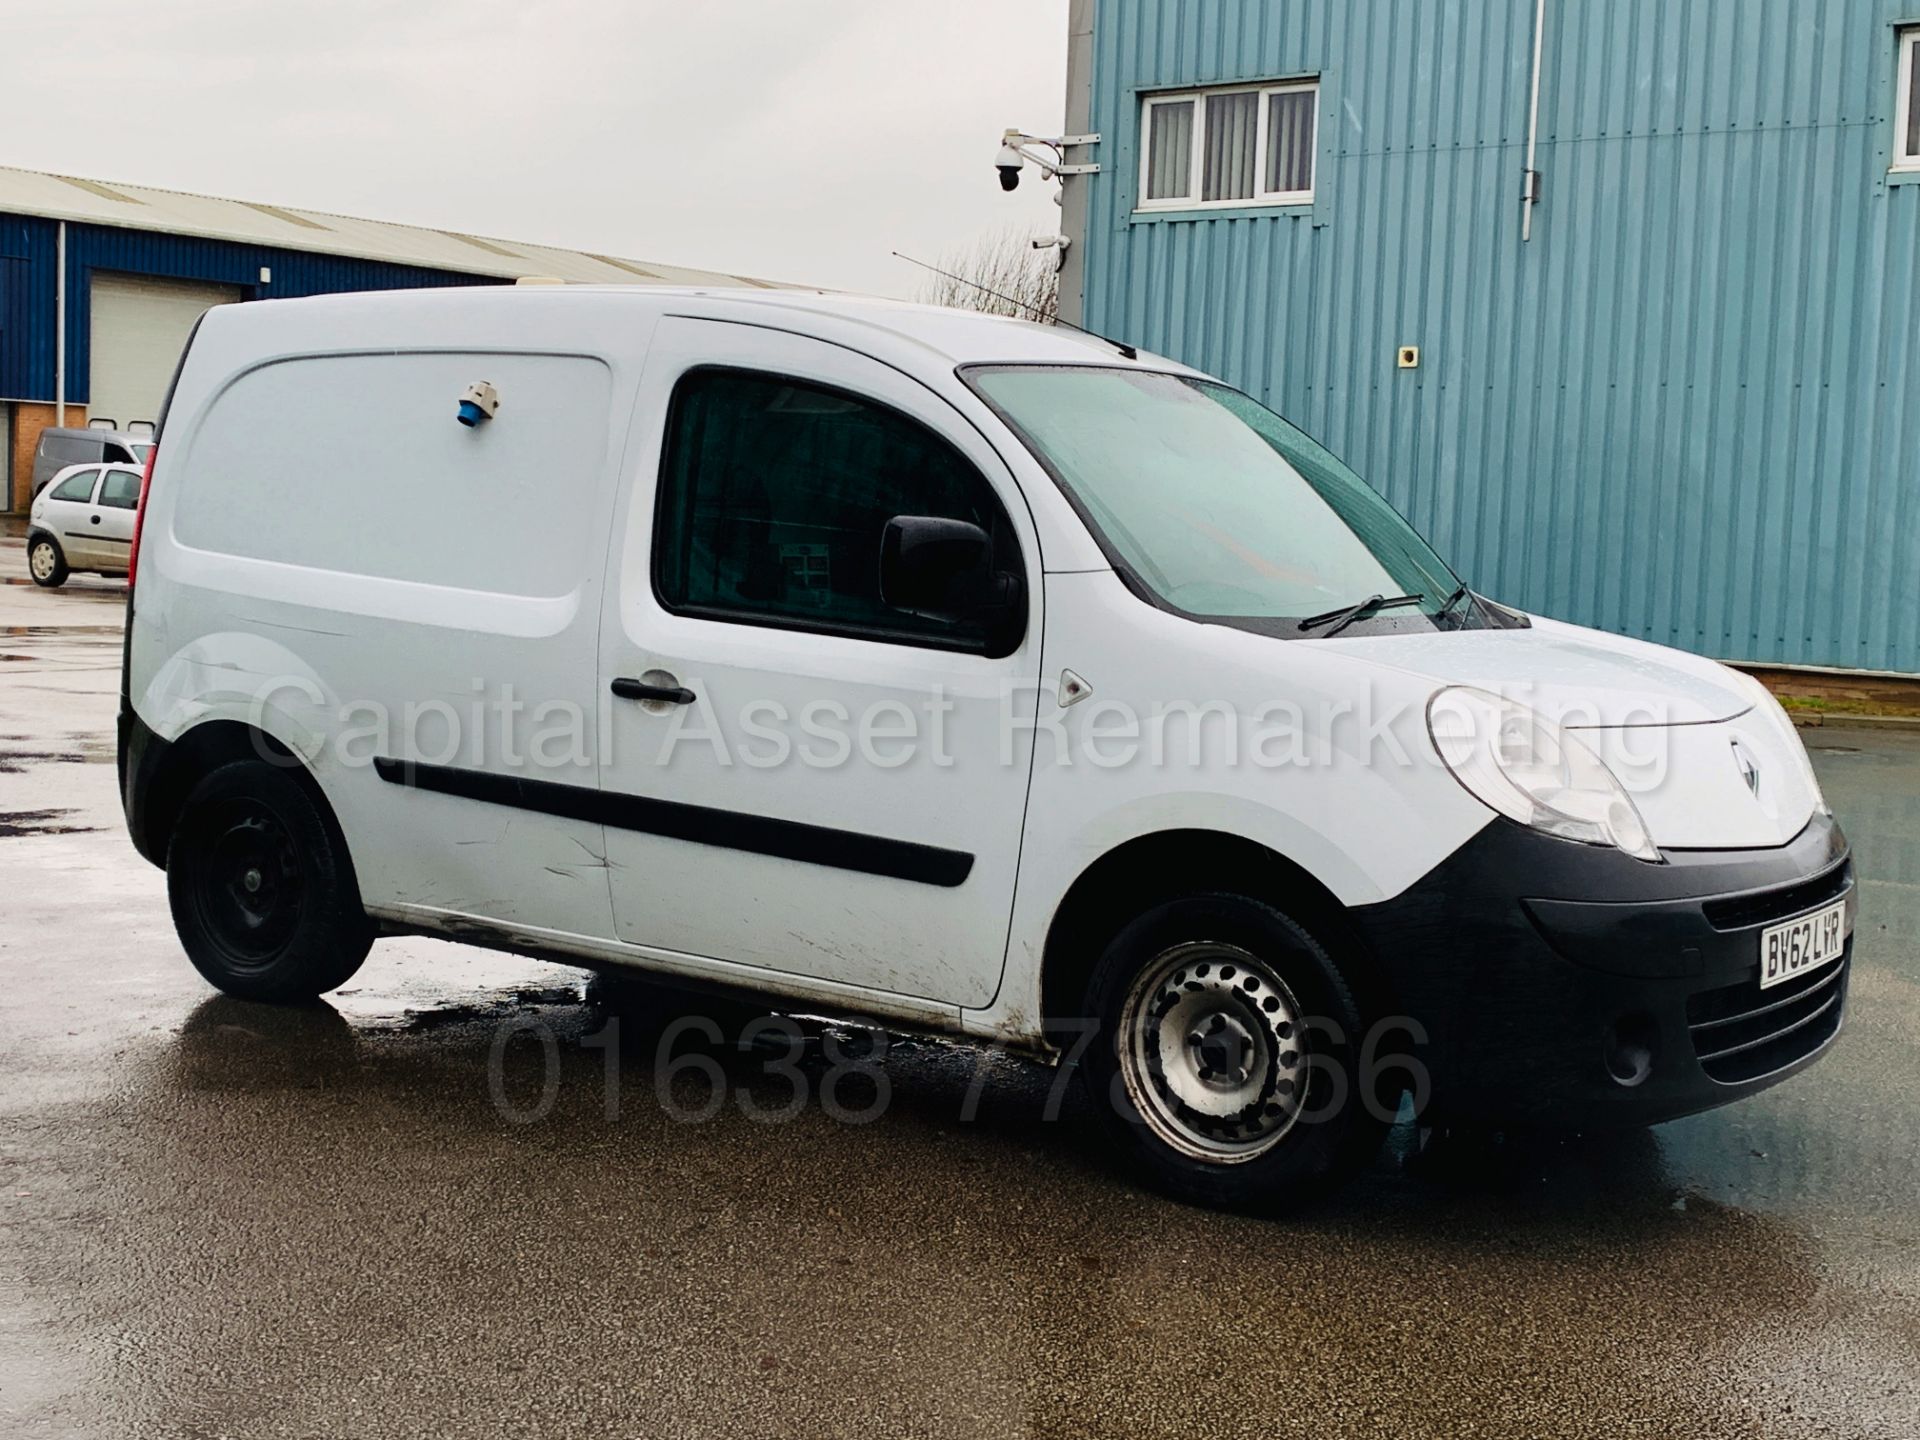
pixel 797 139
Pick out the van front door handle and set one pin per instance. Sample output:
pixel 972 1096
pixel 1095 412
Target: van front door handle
pixel 95 519
pixel 628 689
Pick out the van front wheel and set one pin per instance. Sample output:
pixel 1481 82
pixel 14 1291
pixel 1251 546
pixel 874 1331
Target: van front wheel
pixel 1226 1055
pixel 262 890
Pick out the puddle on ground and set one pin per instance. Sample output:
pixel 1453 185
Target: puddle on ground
pixel 16 823
pixel 59 632
pixel 18 762
pixel 94 588
pixel 410 1020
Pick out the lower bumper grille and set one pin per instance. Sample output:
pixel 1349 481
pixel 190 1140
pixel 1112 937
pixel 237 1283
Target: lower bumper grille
pixel 1741 1032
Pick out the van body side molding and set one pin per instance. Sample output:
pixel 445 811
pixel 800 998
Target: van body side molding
pixel 699 824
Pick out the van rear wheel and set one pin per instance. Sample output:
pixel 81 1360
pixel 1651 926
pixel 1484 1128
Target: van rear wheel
pixel 45 562
pixel 262 889
pixel 1226 1060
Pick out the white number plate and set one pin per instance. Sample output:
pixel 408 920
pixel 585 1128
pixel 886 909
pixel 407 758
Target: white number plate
pixel 1802 945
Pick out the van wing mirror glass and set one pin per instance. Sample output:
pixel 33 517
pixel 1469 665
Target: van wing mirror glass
pixel 935 567
pixel 938 568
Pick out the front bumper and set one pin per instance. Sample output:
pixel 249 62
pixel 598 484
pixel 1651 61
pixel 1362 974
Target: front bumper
pixel 1568 984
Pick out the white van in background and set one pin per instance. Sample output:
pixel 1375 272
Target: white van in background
pixel 979 676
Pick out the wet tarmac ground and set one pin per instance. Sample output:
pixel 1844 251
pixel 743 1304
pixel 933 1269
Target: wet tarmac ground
pixel 462 1199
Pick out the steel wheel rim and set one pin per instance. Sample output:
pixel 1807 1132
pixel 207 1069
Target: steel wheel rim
pixel 248 887
pixel 1213 1053
pixel 41 561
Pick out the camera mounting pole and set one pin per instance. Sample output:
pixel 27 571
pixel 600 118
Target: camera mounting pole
pixel 1058 165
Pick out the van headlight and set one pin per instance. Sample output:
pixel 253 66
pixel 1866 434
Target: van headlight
pixel 1521 764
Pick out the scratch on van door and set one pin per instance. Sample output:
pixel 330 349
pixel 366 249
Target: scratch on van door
pixel 301 629
pixel 813 945
pixel 563 874
pixel 596 861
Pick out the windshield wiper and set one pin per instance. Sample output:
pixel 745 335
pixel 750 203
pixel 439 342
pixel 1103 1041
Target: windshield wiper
pixel 1446 606
pixel 1346 615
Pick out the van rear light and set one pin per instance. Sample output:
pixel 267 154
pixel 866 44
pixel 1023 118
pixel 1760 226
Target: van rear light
pixel 140 515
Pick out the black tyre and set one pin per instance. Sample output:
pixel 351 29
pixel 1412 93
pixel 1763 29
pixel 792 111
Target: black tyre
pixel 1226 1060
pixel 263 892
pixel 46 562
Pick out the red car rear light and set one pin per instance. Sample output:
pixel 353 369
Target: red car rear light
pixel 140 515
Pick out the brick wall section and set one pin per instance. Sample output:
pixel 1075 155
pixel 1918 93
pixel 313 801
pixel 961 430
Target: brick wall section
pixel 29 419
pixel 1811 693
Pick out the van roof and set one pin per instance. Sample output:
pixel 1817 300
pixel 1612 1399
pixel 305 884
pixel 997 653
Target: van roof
pixel 957 336
pixel 98 432
pixel 962 336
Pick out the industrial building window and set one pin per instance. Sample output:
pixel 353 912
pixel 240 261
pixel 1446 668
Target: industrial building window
pixel 1906 106
pixel 1241 145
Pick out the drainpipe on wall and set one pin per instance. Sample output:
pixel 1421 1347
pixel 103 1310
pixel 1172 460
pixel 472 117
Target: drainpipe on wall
pixel 1530 184
pixel 1073 188
pixel 60 327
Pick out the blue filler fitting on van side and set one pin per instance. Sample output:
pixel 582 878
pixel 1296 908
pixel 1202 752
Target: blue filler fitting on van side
pixel 480 403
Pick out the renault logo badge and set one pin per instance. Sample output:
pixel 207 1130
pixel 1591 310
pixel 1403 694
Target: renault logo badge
pixel 1749 766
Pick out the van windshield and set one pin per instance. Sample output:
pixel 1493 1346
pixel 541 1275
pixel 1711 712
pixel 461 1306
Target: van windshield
pixel 1220 508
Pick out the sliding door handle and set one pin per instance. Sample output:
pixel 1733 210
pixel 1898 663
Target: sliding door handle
pixel 628 689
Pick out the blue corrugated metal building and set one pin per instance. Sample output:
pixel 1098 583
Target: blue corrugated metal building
pixel 29 270
pixel 100 283
pixel 1686 408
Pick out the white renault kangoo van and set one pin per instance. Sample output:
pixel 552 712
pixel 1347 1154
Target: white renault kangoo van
pixel 975 676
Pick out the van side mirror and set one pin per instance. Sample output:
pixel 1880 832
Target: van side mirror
pixel 942 569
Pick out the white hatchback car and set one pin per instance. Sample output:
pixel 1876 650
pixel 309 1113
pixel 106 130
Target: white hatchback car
pixel 977 676
pixel 83 520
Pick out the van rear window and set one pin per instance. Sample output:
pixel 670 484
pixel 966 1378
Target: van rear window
pixel 356 464
pixel 66 450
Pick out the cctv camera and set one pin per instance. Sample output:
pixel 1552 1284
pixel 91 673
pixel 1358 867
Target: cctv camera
pixel 1008 163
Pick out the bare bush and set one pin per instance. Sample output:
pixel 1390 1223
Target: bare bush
pixel 1022 281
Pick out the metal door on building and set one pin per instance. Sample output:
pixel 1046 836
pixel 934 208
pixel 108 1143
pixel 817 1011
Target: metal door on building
pixel 139 327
